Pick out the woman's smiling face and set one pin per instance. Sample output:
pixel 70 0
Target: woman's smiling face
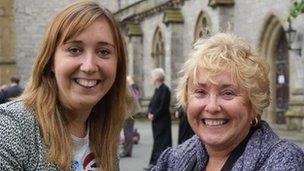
pixel 218 112
pixel 85 66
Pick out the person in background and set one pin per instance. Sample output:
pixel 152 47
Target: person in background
pixel 184 130
pixel 224 88
pixel 128 128
pixel 71 112
pixel 135 91
pixel 11 91
pixel 159 114
pixel 3 86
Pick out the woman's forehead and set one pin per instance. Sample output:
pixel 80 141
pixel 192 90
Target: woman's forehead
pixel 74 28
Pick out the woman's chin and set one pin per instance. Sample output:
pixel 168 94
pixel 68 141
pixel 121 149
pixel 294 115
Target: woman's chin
pixel 212 140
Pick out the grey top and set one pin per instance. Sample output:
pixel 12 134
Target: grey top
pixel 264 151
pixel 21 145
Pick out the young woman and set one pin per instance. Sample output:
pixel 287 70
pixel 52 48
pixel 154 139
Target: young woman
pixel 71 112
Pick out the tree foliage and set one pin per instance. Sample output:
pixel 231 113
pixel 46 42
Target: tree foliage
pixel 296 9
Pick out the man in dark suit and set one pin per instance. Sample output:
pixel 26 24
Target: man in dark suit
pixel 159 114
pixel 12 91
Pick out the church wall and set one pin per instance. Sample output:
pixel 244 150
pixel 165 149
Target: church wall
pixel 31 19
pixel 250 17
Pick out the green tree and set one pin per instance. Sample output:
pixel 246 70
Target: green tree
pixel 296 9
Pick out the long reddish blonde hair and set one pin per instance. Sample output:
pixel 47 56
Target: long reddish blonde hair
pixel 41 92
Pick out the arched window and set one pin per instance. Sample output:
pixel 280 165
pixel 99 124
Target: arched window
pixel 273 46
pixel 203 26
pixel 282 77
pixel 158 50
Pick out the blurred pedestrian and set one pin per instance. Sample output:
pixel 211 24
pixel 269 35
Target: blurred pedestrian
pixel 71 112
pixel 128 128
pixel 159 114
pixel 11 91
pixel 225 87
pixel 3 86
pixel 135 91
pixel 184 130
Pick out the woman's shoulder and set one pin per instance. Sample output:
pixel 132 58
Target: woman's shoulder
pixel 287 148
pixel 287 155
pixel 179 156
pixel 269 151
pixel 16 110
pixel 19 136
pixel 189 146
pixel 16 116
pixel 269 140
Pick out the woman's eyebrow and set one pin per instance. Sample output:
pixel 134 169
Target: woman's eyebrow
pixel 73 42
pixel 103 43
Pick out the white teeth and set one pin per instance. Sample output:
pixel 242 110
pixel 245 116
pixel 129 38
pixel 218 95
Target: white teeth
pixel 86 83
pixel 209 122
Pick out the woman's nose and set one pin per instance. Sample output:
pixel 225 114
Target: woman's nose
pixel 213 105
pixel 89 63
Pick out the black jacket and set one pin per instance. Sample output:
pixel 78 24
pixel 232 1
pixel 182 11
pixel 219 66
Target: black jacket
pixel 161 124
pixel 160 103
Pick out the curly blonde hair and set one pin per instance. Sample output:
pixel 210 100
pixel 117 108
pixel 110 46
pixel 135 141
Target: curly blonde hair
pixel 227 52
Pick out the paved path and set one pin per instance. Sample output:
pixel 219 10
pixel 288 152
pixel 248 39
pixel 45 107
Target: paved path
pixel 142 151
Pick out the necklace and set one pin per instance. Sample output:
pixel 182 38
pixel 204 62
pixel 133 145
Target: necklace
pixel 223 162
pixel 215 165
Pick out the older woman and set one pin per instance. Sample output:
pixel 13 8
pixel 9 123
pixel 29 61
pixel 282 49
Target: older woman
pixel 225 88
pixel 72 110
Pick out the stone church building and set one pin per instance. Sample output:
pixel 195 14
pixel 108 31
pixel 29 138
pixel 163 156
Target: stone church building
pixel 160 33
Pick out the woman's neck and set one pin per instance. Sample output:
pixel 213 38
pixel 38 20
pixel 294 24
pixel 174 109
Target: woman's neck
pixel 216 163
pixel 77 123
pixel 219 154
pixel 78 129
pixel 217 158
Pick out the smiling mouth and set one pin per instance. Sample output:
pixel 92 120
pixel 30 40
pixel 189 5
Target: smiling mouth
pixel 86 83
pixel 215 122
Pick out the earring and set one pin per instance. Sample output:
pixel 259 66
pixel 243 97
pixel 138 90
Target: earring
pixel 255 122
